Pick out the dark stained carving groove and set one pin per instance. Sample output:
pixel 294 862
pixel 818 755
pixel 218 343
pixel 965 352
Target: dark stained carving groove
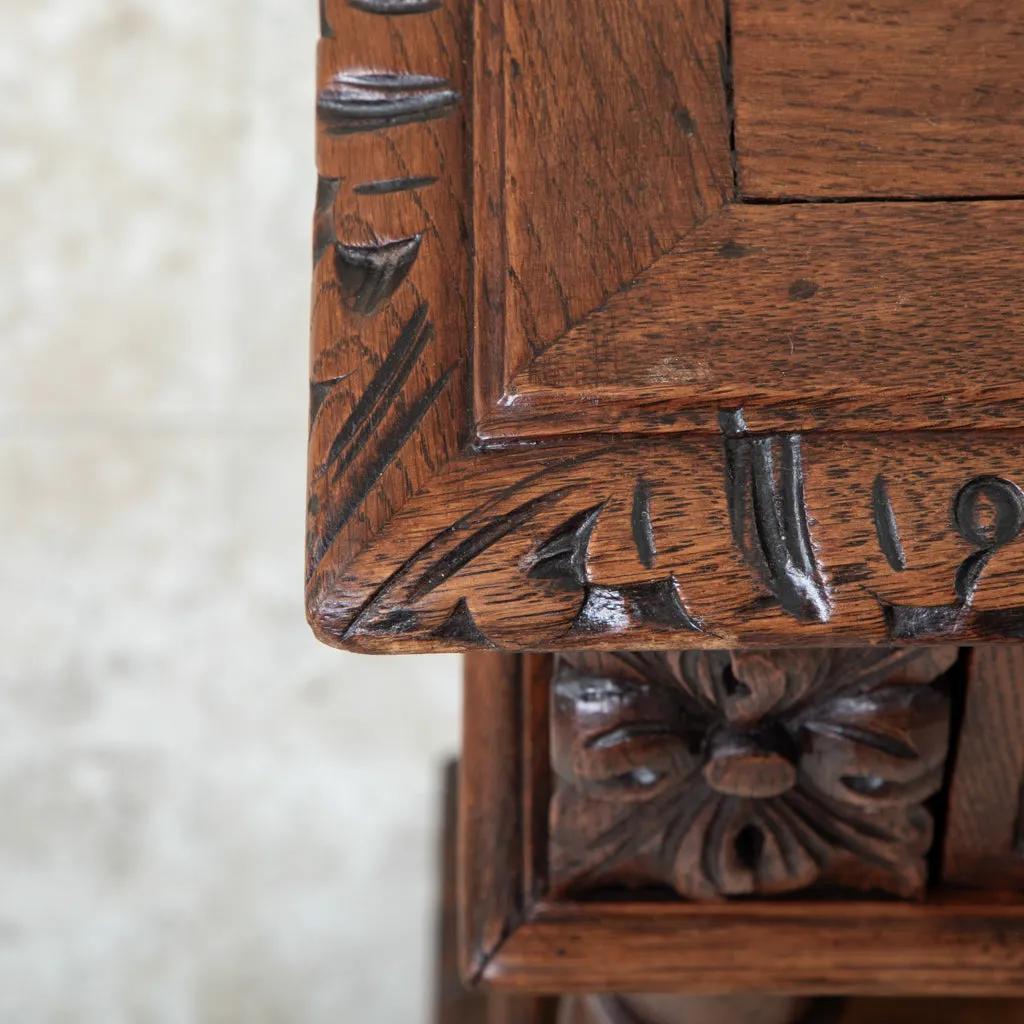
pixel 326 32
pixel 724 49
pixel 378 398
pixel 396 623
pixel 911 622
pixel 395 7
pixel 643 528
pixel 370 274
pixel 361 621
pixel 365 101
pixel 769 516
pixel 388 448
pixel 656 605
pixel 1018 828
pixel 563 556
pixel 388 186
pixel 324 234
pixel 885 525
pixel 1002 503
pixel 462 554
pixel 318 392
pixel 461 627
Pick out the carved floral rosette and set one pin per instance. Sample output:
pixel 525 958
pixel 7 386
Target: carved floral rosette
pixel 730 774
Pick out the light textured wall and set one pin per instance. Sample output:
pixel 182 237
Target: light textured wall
pixel 204 815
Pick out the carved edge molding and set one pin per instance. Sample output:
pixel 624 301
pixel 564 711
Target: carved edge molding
pixel 390 262
pixel 747 773
pixel 416 542
pixel 533 542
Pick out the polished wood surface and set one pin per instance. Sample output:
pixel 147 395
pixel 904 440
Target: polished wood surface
pixel 595 174
pixel 534 940
pixel 758 540
pixel 852 316
pixel 695 329
pixel 878 98
pixel 494 201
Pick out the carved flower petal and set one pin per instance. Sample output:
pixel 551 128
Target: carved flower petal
pixel 619 738
pixel 886 747
pixel 862 669
pixel 746 686
pixel 738 847
pixel 893 837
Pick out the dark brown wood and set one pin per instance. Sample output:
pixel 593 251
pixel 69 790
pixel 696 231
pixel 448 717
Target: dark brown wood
pixel 491 855
pixel 933 1011
pixel 984 844
pixel 878 98
pixel 454 1003
pixel 808 316
pixel 950 943
pixel 751 773
pixel 521 1009
pixel 655 1009
pixel 758 1009
pixel 619 293
pixel 963 948
pixel 643 106
pixel 759 541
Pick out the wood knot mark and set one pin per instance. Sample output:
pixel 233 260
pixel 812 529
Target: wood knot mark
pixel 563 556
pixel 733 250
pixel 365 101
pixel 685 120
pixel 460 627
pixel 655 605
pixel 802 288
pixel 642 524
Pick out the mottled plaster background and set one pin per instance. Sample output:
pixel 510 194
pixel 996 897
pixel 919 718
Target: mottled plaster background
pixel 204 815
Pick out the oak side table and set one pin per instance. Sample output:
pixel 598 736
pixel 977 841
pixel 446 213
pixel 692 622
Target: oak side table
pixel 668 359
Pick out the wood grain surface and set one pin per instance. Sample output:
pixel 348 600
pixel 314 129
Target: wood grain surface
pixel 862 316
pixel 962 949
pixel 454 1003
pixel 697 461
pixel 490 826
pixel 389 376
pixel 953 943
pixel 984 844
pixel 759 540
pixel 614 143
pixel 878 98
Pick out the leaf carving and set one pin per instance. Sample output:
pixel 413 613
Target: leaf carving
pixel 746 773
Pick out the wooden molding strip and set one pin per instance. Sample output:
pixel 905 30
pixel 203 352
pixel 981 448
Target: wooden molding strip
pixel 955 947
